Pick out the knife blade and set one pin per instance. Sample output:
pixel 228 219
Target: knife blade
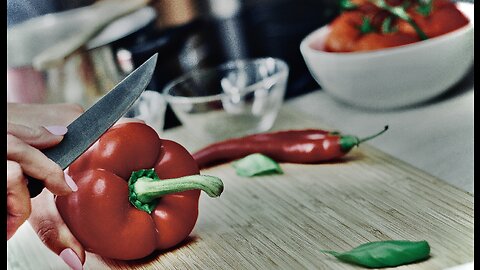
pixel 89 126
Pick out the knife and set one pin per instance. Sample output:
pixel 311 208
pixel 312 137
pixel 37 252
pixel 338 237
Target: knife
pixel 89 126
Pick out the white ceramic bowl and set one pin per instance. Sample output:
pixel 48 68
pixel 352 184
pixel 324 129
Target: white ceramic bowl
pixel 393 77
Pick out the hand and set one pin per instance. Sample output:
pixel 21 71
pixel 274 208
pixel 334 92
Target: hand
pixel 26 134
pixel 24 156
pixel 44 218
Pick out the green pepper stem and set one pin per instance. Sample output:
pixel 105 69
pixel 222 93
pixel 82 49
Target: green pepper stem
pixel 373 136
pixel 148 190
pixel 348 142
pixel 145 187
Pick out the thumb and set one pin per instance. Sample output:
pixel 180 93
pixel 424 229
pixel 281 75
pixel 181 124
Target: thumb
pixel 54 233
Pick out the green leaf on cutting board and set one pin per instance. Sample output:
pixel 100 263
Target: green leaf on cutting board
pixel 390 253
pixel 255 165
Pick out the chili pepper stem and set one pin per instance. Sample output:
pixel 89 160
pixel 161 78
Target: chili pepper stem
pixel 146 189
pixel 348 142
pixel 373 136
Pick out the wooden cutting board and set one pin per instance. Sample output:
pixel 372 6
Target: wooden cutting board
pixel 283 221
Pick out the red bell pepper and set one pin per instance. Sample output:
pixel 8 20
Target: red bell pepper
pixel 105 214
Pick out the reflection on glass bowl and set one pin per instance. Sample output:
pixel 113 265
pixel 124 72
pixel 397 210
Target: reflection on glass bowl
pixel 234 99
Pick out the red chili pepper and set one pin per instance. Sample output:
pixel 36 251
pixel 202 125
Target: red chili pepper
pixel 294 146
pixel 100 215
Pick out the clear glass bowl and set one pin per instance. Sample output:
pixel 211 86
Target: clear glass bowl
pixel 234 99
pixel 150 107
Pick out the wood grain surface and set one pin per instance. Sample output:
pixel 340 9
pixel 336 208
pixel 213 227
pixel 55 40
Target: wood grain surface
pixel 283 221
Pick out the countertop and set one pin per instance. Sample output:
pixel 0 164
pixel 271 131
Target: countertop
pixel 283 221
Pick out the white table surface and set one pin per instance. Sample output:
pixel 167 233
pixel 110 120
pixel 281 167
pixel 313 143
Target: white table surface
pixel 436 136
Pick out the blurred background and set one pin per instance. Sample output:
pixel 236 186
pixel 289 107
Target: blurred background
pixel 196 33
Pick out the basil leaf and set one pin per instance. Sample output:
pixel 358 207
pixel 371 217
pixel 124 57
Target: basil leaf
pixel 366 26
pixel 347 5
pixel 256 165
pixel 402 14
pixel 406 4
pixel 425 7
pixel 390 253
pixel 387 26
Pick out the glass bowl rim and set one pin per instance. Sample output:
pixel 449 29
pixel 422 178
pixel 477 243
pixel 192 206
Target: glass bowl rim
pixel 283 72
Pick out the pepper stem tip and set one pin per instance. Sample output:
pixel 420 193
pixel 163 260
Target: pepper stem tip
pixel 373 136
pixel 348 142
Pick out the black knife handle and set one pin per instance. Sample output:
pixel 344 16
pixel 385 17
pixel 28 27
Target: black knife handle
pixel 34 186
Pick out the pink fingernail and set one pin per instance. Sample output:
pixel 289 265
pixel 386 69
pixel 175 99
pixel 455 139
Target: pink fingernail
pixel 57 130
pixel 71 259
pixel 70 182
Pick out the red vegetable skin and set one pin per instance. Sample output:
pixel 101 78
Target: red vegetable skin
pixel 345 34
pixel 445 17
pixel 100 215
pixel 376 41
pixel 293 146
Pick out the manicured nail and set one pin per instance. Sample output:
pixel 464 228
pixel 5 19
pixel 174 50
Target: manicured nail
pixel 70 182
pixel 57 130
pixel 71 258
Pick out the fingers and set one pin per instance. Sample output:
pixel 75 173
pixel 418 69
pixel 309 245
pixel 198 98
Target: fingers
pixel 18 198
pixel 54 233
pixel 39 137
pixel 35 164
